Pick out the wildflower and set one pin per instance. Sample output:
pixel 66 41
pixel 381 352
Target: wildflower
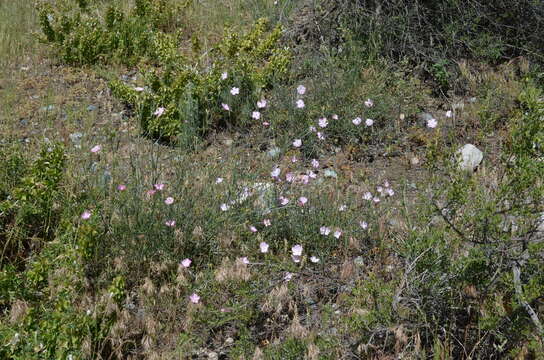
pixel 337 234
pixel 275 173
pixel 169 200
pixel 357 121
pixel 367 196
pixel 86 215
pixel 170 223
pixel 312 128
pixel 320 136
pixel 121 187
pixel 294 159
pixel 369 103
pixel 297 250
pixel 266 123
pixel 297 143
pixel 301 89
pixel 369 122
pixel 300 103
pixel 284 201
pixel 224 75
pixel 224 207
pixel 261 103
pixel 288 276
pixel 431 123
pixel 376 199
pixel 256 115
pixel 386 184
pixel 296 259
pixel 315 163
pixel 449 114
pixel 314 259
pixel 324 230
pixel 159 186
pixel 244 260
pixel 390 192
pixel 226 107
pixel 150 193
pixel 363 225
pixel 379 189
pixel 342 208
pixel 96 149
pixel 290 177
pixel 186 263
pixel 235 91
pixel 159 111
pixel 304 179
pixel 311 174
pixel 139 88
pixel 194 298
pixel 264 247
pixel 302 200
pixel 267 222
pixel 253 229
pixel 219 180
pixel 323 122
pixel 335 117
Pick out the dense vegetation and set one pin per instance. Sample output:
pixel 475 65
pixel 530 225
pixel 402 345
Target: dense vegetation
pixel 297 191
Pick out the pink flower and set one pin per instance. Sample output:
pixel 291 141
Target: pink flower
pixel 301 89
pixel 314 259
pixel 253 229
pixel 367 196
pixel 335 117
pixel 369 103
pixel 323 122
pixel 357 121
pixel 294 159
pixel 300 103
pixel 121 187
pixel 170 223
pixel 312 128
pixel 315 163
pixel 266 123
pixel 297 250
pixel 96 149
pixel 186 263
pixel 288 276
pixel 320 136
pixel 302 200
pixel 224 207
pixel 337 234
pixel 267 222
pixel 226 107
pixel 150 193
pixel 244 260
pixel 86 215
pixel 159 186
pixel 376 199
pixel 431 123
pixel 290 177
pixel 194 298
pixel 256 115
pixel 275 173
pixel 363 224
pixel 235 91
pixel 297 143
pixel 324 230
pixel 283 200
pixel 261 103
pixel 311 174
pixel 369 122
pixel 159 111
pixel 390 192
pixel 224 75
pixel 169 200
pixel 264 247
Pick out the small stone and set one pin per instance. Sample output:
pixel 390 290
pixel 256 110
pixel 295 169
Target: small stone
pixel 23 122
pixel 470 157
pixel 91 108
pixel 212 355
pixel 359 261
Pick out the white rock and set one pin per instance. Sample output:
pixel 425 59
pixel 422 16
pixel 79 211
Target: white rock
pixel 470 157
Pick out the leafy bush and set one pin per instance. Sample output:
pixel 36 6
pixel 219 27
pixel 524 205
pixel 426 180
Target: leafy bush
pixel 29 211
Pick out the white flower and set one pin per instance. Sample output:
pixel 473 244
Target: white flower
pixel 297 250
pixel 367 196
pixel 256 115
pixel 363 224
pixel 297 143
pixel 300 103
pixel 323 122
pixel 324 230
pixel 224 75
pixel 301 89
pixel 337 234
pixel 369 103
pixel 314 259
pixel 357 121
pixel 431 123
pixel 235 91
pixel 224 207
pixel 261 103
pixel 275 173
pixel 369 122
